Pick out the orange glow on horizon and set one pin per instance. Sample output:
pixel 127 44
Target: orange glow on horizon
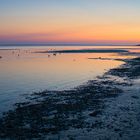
pixel 34 30
pixel 70 21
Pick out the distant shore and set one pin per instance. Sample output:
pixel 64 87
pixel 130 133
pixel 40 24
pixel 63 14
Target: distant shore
pixel 86 51
pixel 89 51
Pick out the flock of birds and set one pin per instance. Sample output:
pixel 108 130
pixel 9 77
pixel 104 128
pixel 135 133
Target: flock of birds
pixel 18 52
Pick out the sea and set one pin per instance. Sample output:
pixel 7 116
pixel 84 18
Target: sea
pixel 28 69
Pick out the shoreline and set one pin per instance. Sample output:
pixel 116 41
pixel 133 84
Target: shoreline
pixel 54 114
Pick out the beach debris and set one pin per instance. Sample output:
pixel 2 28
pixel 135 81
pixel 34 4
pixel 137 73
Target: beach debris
pixel 54 54
pixel 0 57
pixel 135 97
pixel 95 113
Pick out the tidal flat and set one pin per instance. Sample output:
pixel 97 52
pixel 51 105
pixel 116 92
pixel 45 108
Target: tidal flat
pixel 104 108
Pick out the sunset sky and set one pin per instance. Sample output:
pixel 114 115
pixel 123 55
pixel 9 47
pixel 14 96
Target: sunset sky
pixel 70 21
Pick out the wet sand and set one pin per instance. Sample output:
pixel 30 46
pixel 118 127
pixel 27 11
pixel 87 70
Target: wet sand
pixel 105 108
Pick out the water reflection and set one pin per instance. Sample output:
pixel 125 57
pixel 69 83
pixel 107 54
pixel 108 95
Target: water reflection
pixel 23 71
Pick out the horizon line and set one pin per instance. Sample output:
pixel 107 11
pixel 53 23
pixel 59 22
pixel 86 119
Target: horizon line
pixel 63 44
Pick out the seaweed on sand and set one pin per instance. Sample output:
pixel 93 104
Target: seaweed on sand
pixel 53 111
pixel 131 69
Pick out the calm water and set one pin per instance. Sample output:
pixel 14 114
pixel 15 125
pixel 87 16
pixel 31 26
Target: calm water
pixel 22 71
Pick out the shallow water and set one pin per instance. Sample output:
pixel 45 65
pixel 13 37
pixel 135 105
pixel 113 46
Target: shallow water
pixel 22 71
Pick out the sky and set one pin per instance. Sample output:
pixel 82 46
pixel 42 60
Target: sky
pixel 70 21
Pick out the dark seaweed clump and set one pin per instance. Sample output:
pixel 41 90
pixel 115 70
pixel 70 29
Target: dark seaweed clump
pixel 131 69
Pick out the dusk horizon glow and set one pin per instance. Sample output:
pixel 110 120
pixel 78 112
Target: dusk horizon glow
pixel 70 22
